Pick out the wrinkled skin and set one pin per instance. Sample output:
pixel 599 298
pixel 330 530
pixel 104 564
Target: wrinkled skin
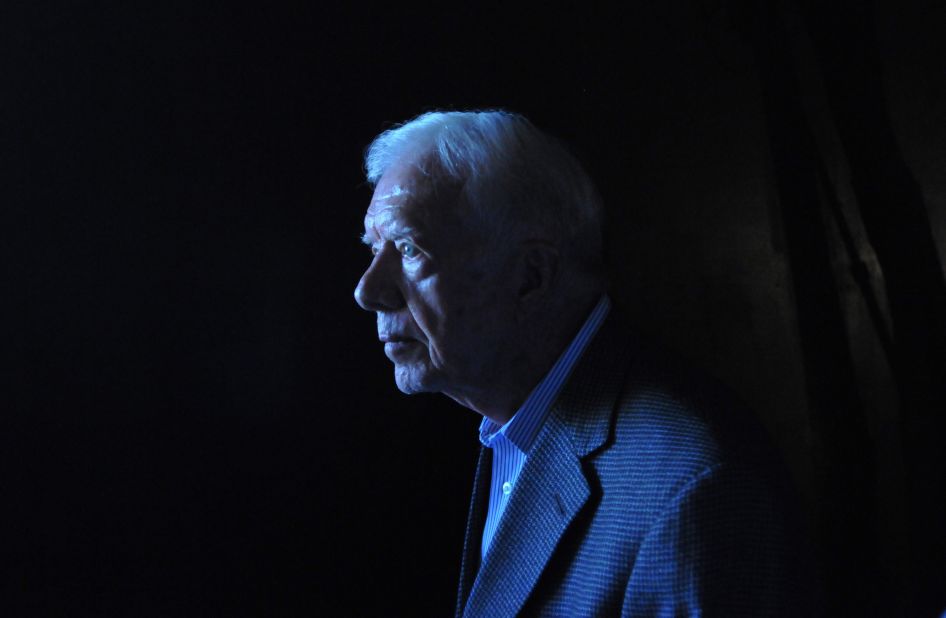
pixel 446 312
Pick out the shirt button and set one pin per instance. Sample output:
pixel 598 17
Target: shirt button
pixel 507 488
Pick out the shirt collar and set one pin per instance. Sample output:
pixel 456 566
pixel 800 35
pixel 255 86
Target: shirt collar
pixel 524 425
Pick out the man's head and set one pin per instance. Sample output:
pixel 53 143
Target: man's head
pixel 484 230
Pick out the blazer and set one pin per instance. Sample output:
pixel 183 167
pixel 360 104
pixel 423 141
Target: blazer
pixel 647 492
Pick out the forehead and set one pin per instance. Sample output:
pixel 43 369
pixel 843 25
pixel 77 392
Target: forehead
pixel 406 197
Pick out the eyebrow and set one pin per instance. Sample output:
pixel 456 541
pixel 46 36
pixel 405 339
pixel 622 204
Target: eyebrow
pixel 396 191
pixel 401 231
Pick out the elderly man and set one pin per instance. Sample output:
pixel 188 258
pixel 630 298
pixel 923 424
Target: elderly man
pixel 608 483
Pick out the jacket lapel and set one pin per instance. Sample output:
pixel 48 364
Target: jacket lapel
pixel 551 488
pixel 537 515
pixel 473 538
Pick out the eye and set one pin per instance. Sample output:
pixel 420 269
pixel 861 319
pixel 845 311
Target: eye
pixel 374 250
pixel 408 250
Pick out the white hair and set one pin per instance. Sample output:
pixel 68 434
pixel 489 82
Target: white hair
pixel 516 179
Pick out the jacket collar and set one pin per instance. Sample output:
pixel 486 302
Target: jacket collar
pixel 539 510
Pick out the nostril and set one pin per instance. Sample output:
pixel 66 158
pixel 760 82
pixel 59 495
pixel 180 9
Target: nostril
pixel 361 295
pixel 377 290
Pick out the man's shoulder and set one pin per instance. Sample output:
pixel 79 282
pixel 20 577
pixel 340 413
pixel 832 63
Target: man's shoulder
pixel 673 430
pixel 670 400
pixel 664 410
pixel 630 394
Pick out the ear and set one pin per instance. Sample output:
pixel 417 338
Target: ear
pixel 537 269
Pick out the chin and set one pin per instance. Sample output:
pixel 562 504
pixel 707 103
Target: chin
pixel 411 380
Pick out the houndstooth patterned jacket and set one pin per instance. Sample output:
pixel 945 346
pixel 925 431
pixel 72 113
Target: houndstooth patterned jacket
pixel 648 492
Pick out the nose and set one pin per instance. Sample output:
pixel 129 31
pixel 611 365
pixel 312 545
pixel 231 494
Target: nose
pixel 377 290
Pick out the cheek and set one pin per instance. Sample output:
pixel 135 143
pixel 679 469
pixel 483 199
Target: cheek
pixel 428 309
pixel 431 296
pixel 442 315
pixel 486 307
pixel 463 323
pixel 474 322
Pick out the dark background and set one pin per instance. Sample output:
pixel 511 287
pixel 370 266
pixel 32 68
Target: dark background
pixel 197 418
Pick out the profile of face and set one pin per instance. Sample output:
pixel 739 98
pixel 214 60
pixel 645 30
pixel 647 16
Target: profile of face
pixel 445 311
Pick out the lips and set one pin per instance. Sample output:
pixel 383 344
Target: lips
pixel 400 344
pixel 399 348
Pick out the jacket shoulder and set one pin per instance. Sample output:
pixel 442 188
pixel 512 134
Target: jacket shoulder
pixel 669 417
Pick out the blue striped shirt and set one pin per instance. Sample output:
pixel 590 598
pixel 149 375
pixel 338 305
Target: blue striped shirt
pixel 511 442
